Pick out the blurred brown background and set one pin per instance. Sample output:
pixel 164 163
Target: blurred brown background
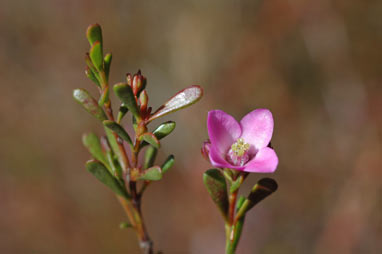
pixel 315 64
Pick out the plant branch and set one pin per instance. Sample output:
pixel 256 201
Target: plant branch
pixel 127 209
pixel 232 231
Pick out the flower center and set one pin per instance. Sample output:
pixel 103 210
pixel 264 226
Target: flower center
pixel 239 147
pixel 238 154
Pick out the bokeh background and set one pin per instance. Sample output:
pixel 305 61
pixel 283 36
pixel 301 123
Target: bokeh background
pixel 315 64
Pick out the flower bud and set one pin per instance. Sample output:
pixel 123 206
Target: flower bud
pixel 143 100
pixel 129 79
pixel 137 83
pixel 205 150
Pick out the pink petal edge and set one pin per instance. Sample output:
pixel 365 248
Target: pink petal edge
pixel 265 161
pixel 223 130
pixel 257 128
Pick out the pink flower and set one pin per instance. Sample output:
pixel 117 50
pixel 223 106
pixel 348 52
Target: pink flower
pixel 242 146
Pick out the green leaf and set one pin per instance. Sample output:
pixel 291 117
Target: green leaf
pixel 96 55
pixel 239 202
pixel 89 103
pixel 94 71
pixel 135 125
pixel 122 112
pixel 217 188
pixel 115 167
pixel 126 95
pixel 94 33
pixel 164 129
pixel 228 174
pixel 151 139
pixel 151 174
pixel 119 130
pixel 104 97
pixel 107 62
pixel 235 185
pixel 150 155
pixel 92 76
pixel 168 163
pixel 113 143
pixel 92 143
pixel 104 176
pixel 261 190
pixel 124 225
pixel 182 99
pixel 112 140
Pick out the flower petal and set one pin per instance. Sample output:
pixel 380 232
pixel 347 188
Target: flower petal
pixel 265 161
pixel 217 160
pixel 223 130
pixel 257 128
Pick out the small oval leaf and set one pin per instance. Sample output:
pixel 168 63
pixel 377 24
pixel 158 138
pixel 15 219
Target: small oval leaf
pixel 164 129
pixel 150 155
pixel 96 55
pixel 151 139
pixel 104 176
pixel 119 130
pixel 113 143
pixel 168 163
pixel 126 95
pixel 93 144
pixel 122 112
pixel 217 188
pixel 90 74
pixel 182 99
pixel 114 166
pixel 261 190
pixel 107 62
pixel 89 103
pixel 94 33
pixel 151 174
pixel 90 65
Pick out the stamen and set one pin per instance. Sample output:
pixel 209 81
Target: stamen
pixel 240 147
pixel 238 154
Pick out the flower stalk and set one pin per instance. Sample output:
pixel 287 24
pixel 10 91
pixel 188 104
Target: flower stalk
pixel 233 230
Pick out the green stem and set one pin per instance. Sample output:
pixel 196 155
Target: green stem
pixel 145 242
pixel 230 226
pixel 133 208
pixel 233 226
